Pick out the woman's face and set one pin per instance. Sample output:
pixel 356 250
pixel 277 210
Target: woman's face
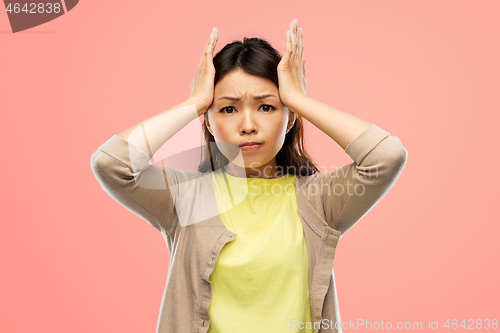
pixel 263 120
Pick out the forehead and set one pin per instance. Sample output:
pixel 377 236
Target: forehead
pixel 238 83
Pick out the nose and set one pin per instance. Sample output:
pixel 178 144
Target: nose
pixel 248 123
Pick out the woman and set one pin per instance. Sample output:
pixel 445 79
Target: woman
pixel 252 234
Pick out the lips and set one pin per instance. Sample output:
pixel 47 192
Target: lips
pixel 248 147
pixel 250 144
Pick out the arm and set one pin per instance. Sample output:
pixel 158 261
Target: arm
pixel 347 193
pixel 149 135
pixel 350 192
pixel 121 165
pixel 340 126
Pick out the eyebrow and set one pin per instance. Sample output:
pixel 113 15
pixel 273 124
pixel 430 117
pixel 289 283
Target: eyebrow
pixel 238 99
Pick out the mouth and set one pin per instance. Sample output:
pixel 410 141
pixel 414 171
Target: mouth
pixel 250 147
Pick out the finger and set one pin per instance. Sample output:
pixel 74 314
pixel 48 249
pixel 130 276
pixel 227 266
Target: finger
pixel 201 63
pixel 209 49
pixel 300 50
pixel 294 42
pixel 298 59
pixel 288 49
pixel 208 45
pixel 215 38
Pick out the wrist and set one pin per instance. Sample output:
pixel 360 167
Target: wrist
pixel 201 107
pixel 295 103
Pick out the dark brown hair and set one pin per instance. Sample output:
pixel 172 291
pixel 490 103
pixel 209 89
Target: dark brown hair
pixel 256 56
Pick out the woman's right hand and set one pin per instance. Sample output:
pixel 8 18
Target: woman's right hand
pixel 202 85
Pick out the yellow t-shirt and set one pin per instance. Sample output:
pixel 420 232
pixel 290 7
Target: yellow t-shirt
pixel 260 280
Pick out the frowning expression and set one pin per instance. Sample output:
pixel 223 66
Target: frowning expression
pixel 247 108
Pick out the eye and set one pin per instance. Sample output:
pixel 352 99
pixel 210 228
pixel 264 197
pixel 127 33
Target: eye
pixel 271 108
pixel 227 107
pixel 268 109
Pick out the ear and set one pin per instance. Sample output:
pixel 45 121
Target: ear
pixel 291 120
pixel 207 123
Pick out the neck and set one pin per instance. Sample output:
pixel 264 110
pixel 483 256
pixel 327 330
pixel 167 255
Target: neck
pixel 267 171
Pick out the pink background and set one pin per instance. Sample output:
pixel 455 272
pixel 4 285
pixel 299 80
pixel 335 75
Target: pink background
pixel 74 260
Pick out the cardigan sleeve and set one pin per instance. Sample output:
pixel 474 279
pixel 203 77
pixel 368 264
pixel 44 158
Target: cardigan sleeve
pixel 147 190
pixel 350 192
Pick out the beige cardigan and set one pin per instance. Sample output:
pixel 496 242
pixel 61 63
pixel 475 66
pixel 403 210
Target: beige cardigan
pixel 181 205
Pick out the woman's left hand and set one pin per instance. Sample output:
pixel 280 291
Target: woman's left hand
pixel 291 69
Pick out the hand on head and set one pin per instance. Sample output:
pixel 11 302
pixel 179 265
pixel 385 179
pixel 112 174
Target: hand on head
pixel 292 67
pixel 202 85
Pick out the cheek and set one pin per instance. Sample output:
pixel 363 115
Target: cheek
pixel 278 129
pixel 220 132
pixel 215 126
pixel 276 132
